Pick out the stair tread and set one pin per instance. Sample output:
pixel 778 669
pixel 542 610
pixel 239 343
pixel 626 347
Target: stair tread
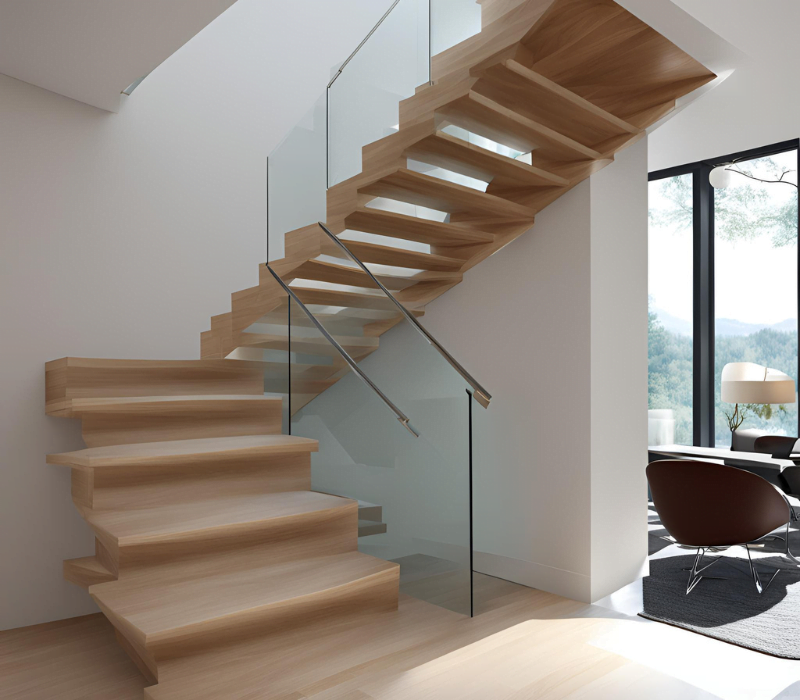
pixel 533 96
pixel 150 525
pixel 452 153
pixel 481 115
pixel 324 271
pixel 385 255
pixel 181 450
pixel 411 228
pixel 336 297
pixel 130 403
pixel 156 605
pixel 432 192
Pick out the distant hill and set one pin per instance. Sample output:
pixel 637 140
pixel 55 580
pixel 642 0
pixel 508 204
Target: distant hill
pixel 723 326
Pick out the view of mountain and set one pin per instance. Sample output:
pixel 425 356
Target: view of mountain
pixel 723 326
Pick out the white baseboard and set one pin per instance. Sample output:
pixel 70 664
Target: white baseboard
pixel 546 578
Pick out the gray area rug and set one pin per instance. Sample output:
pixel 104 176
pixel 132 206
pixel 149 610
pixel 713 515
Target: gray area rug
pixel 729 610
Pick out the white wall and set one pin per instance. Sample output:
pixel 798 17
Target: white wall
pixel 555 327
pixel 121 234
pixel 619 372
pixel 758 105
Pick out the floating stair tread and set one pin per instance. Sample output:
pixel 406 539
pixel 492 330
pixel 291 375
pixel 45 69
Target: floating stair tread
pixel 432 192
pixel 166 404
pixel 159 608
pixel 164 523
pixel 572 98
pixel 412 228
pixel 447 151
pixel 323 271
pixel 181 451
pixel 310 344
pixel 87 571
pixel 483 116
pixel 72 378
pixel 385 255
pixel 335 297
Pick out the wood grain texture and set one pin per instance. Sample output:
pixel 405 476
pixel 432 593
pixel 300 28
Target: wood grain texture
pixel 110 421
pixel 523 644
pixel 81 378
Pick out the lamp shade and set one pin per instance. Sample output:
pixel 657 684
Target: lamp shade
pixel 720 177
pixel 747 382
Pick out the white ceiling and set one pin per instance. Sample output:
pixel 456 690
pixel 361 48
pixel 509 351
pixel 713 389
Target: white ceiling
pixel 91 50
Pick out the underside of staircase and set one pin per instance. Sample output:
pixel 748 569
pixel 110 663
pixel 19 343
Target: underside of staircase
pixel 210 542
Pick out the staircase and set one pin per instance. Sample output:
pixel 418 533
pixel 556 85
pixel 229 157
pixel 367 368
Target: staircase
pixel 209 539
pixel 564 83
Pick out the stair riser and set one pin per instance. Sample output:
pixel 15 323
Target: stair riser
pixel 377 593
pixel 120 428
pixel 77 378
pixel 140 487
pixel 277 540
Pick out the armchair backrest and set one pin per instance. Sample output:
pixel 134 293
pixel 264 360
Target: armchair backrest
pixel 706 504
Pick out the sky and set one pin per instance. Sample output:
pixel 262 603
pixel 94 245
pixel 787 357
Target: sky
pixel 754 281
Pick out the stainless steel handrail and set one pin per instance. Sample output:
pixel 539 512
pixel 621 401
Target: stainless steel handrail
pixel 480 394
pixel 363 41
pixel 349 360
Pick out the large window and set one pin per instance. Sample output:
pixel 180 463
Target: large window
pixel 670 273
pixel 723 288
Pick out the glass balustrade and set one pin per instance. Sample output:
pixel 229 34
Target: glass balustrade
pixel 394 425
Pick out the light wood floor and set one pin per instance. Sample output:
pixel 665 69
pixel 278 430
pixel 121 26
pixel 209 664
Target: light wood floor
pixel 522 644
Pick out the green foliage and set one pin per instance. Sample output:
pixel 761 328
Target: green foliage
pixel 743 211
pixel 670 382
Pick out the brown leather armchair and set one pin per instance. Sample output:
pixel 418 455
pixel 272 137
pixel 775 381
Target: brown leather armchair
pixel 712 507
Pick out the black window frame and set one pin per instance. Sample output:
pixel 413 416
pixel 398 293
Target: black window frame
pixel 703 279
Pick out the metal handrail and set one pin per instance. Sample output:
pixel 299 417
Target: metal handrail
pixel 480 394
pixel 363 41
pixel 402 417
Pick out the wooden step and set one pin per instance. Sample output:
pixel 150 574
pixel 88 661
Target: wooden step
pixel 87 571
pixel 114 421
pixel 485 117
pixel 543 101
pixel 273 526
pixel 334 297
pixel 81 378
pixel 397 257
pixel 411 228
pixel 452 153
pixel 322 271
pixel 355 346
pixel 183 451
pixel 171 613
pixel 426 191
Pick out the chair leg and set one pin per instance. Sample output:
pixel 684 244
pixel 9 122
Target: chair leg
pixel 756 579
pixel 788 553
pixel 695 572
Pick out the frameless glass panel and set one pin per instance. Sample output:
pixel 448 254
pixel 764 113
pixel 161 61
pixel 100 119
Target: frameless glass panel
pixel 364 99
pixel 755 279
pixel 670 271
pixel 453 21
pixel 413 492
pixel 296 179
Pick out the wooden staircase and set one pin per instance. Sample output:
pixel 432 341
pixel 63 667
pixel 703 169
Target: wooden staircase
pixel 562 84
pixel 207 532
pixel 208 536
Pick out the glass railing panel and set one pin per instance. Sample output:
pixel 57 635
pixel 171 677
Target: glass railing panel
pixel 296 179
pixel 414 491
pixel 453 21
pixel 363 101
